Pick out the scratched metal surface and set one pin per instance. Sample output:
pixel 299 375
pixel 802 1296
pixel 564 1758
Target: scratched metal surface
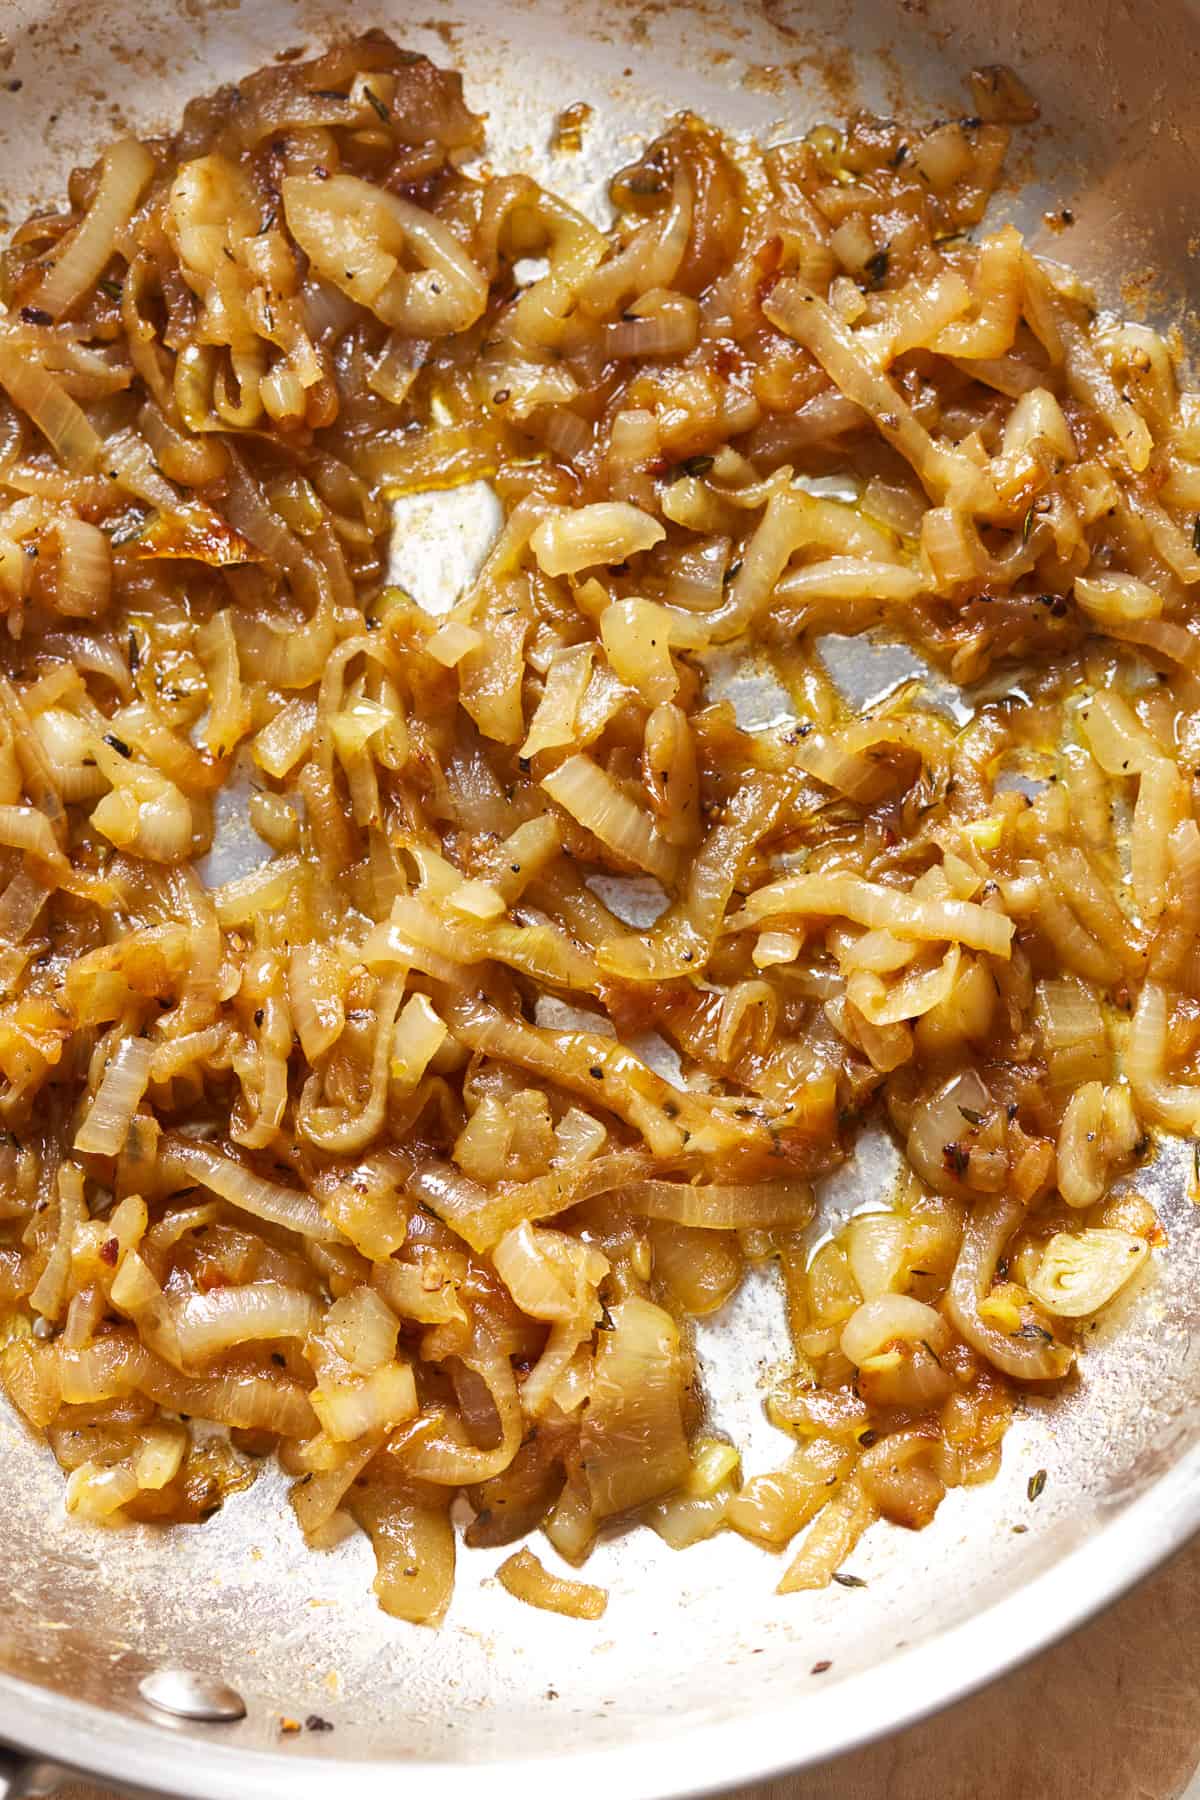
pixel 697 1674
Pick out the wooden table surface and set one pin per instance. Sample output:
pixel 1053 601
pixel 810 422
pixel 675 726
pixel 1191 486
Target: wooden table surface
pixel 1112 1713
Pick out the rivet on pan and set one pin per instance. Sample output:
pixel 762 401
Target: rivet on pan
pixel 191 1696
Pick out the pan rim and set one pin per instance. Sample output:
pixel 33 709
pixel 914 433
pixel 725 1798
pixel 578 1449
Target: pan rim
pixel 898 1692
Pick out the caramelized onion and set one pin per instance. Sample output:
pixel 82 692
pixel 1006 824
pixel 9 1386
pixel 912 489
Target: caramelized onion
pixel 1031 1352
pixel 594 916
pixel 106 1127
pixel 633 1440
pixel 78 259
pixel 199 1163
pixel 525 1578
pixel 754 1207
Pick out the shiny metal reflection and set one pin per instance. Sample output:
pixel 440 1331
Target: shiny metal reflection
pixel 190 1696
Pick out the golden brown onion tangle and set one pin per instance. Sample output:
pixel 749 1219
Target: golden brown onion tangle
pixel 408 1154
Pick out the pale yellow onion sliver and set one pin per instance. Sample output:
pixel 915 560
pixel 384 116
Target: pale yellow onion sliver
pixel 990 1225
pixel 125 1080
pixel 1114 598
pixel 417 1037
pixel 1171 1104
pixel 592 797
pixel 553 724
pixel 79 259
pixel 208 1323
pixel 524 1577
pixel 795 309
pixel 202 1165
pixel 1118 740
pixel 763 1205
pixel 852 578
pixel 878 907
pixel 610 531
pixel 355 234
pixel 1161 805
pixel 25 828
pixel 282 743
pixel 908 998
pixel 57 416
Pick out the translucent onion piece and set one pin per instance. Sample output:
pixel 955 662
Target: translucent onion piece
pixel 880 1322
pixel 418 1037
pixel 280 745
pixel 851 578
pixel 437 1448
pixel 1173 1104
pixel 80 257
pixel 796 310
pixel 899 1478
pixel 912 995
pixel 354 233
pixel 25 828
pixel 1072 1028
pixel 760 1206
pixel 1031 1353
pixel 61 421
pixel 636 635
pixel 346 1130
pixel 941 1138
pixel 414 1545
pixel 126 1077
pixel 315 993
pixel 317 1496
pixel 632 1442
pixel 1091 382
pixel 881 908
pixel 97 1493
pixel 608 532
pixel 83 578
pixel 49 1294
pixel 550 1275
pixel 1117 599
pixel 144 812
pixel 360 1404
pixel 525 1578
pixel 772 1508
pixel 199 1163
pixel 1081 1272
pixel 362 1329
pixel 257 1311
pixel 831 1538
pixel 592 797
pixel 698 1510
pixel 67 742
pixel 876 1245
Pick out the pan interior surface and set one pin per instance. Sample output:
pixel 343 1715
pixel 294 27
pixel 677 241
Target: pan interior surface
pixel 698 1674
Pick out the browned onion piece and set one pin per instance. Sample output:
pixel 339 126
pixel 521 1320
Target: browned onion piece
pixel 1031 1353
pixel 770 1203
pixel 633 1442
pixel 525 1578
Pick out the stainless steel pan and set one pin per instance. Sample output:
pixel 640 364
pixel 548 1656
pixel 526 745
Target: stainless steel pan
pixel 698 1676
